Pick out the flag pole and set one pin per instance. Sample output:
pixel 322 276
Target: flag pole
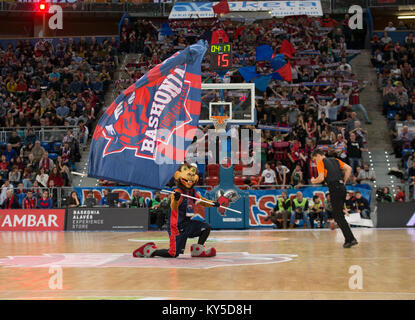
pixel 171 192
pixel 210 202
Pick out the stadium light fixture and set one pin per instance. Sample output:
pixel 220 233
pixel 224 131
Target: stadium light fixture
pixel 42 7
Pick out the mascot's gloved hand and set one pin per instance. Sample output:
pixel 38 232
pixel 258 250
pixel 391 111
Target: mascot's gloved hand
pixel 216 204
pixel 177 195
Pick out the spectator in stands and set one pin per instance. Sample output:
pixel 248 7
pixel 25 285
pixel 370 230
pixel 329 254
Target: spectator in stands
pixel 66 154
pixel 403 141
pixel 411 179
pixel 366 175
pixel 45 162
pixel 317 212
pixel 42 177
pixel 56 177
pixel 386 39
pixel 400 195
pixel 137 201
pixel 390 27
pixel 354 101
pixel 6 186
pixel 37 191
pixel 268 176
pixel 29 202
pixel 64 171
pixel 103 200
pixel 354 151
pixel 297 179
pixel 14 175
pixel 4 168
pixel 349 204
pixel 83 134
pixel 53 192
pixel 361 205
pixel 62 110
pixel 45 202
pixel 26 150
pixel 386 195
pixel 90 201
pixel 402 26
pixel 15 141
pixel 10 153
pixel 74 200
pixel 282 173
pixel 359 132
pixel 300 208
pixel 281 213
pixel 11 201
pixel 38 151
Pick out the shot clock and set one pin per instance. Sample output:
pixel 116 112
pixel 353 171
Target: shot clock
pixel 220 56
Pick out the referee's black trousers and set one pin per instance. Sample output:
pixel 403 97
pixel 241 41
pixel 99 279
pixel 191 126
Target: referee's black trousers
pixel 337 198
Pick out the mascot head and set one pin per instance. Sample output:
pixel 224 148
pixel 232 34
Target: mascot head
pixel 186 176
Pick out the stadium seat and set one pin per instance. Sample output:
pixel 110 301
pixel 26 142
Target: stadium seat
pixel 255 180
pixel 212 181
pixel 212 169
pixel 239 181
pixel 53 156
pixel 45 145
pixel 56 146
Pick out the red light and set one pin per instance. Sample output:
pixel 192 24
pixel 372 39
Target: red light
pixel 42 7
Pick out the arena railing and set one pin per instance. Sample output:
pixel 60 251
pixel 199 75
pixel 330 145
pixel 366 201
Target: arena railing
pixel 44 134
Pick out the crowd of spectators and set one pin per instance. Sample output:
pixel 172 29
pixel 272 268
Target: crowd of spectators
pixel 395 65
pixel 53 87
pixel 318 108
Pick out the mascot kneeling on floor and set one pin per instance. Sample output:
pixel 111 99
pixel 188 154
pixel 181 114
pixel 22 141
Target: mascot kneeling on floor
pixel 180 226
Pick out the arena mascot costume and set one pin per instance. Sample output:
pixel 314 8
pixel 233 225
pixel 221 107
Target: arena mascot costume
pixel 180 226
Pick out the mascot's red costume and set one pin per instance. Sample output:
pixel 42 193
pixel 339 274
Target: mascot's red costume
pixel 180 226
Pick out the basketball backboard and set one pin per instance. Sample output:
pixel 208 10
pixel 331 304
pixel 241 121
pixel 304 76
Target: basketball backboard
pixel 233 100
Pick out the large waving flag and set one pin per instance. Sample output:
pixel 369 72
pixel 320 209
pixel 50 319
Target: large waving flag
pixel 287 48
pixel 221 7
pixel 282 69
pixel 261 83
pixel 264 53
pixel 166 29
pixel 142 137
pixel 248 73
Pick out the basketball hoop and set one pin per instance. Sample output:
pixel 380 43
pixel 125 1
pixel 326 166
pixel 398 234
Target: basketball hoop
pixel 220 123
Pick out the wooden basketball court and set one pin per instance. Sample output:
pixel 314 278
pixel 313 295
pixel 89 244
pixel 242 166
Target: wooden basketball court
pixel 267 264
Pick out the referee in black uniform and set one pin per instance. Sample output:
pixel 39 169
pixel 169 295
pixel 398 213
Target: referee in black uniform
pixel 335 173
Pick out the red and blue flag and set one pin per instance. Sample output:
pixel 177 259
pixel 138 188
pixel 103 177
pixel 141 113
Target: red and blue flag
pixel 142 137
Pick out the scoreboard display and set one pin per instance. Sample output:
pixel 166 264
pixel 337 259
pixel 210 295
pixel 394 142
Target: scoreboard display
pixel 220 56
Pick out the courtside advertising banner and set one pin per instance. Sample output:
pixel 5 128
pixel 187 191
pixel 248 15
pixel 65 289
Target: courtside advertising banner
pixel 396 215
pixel 32 220
pixel 196 10
pixel 107 219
